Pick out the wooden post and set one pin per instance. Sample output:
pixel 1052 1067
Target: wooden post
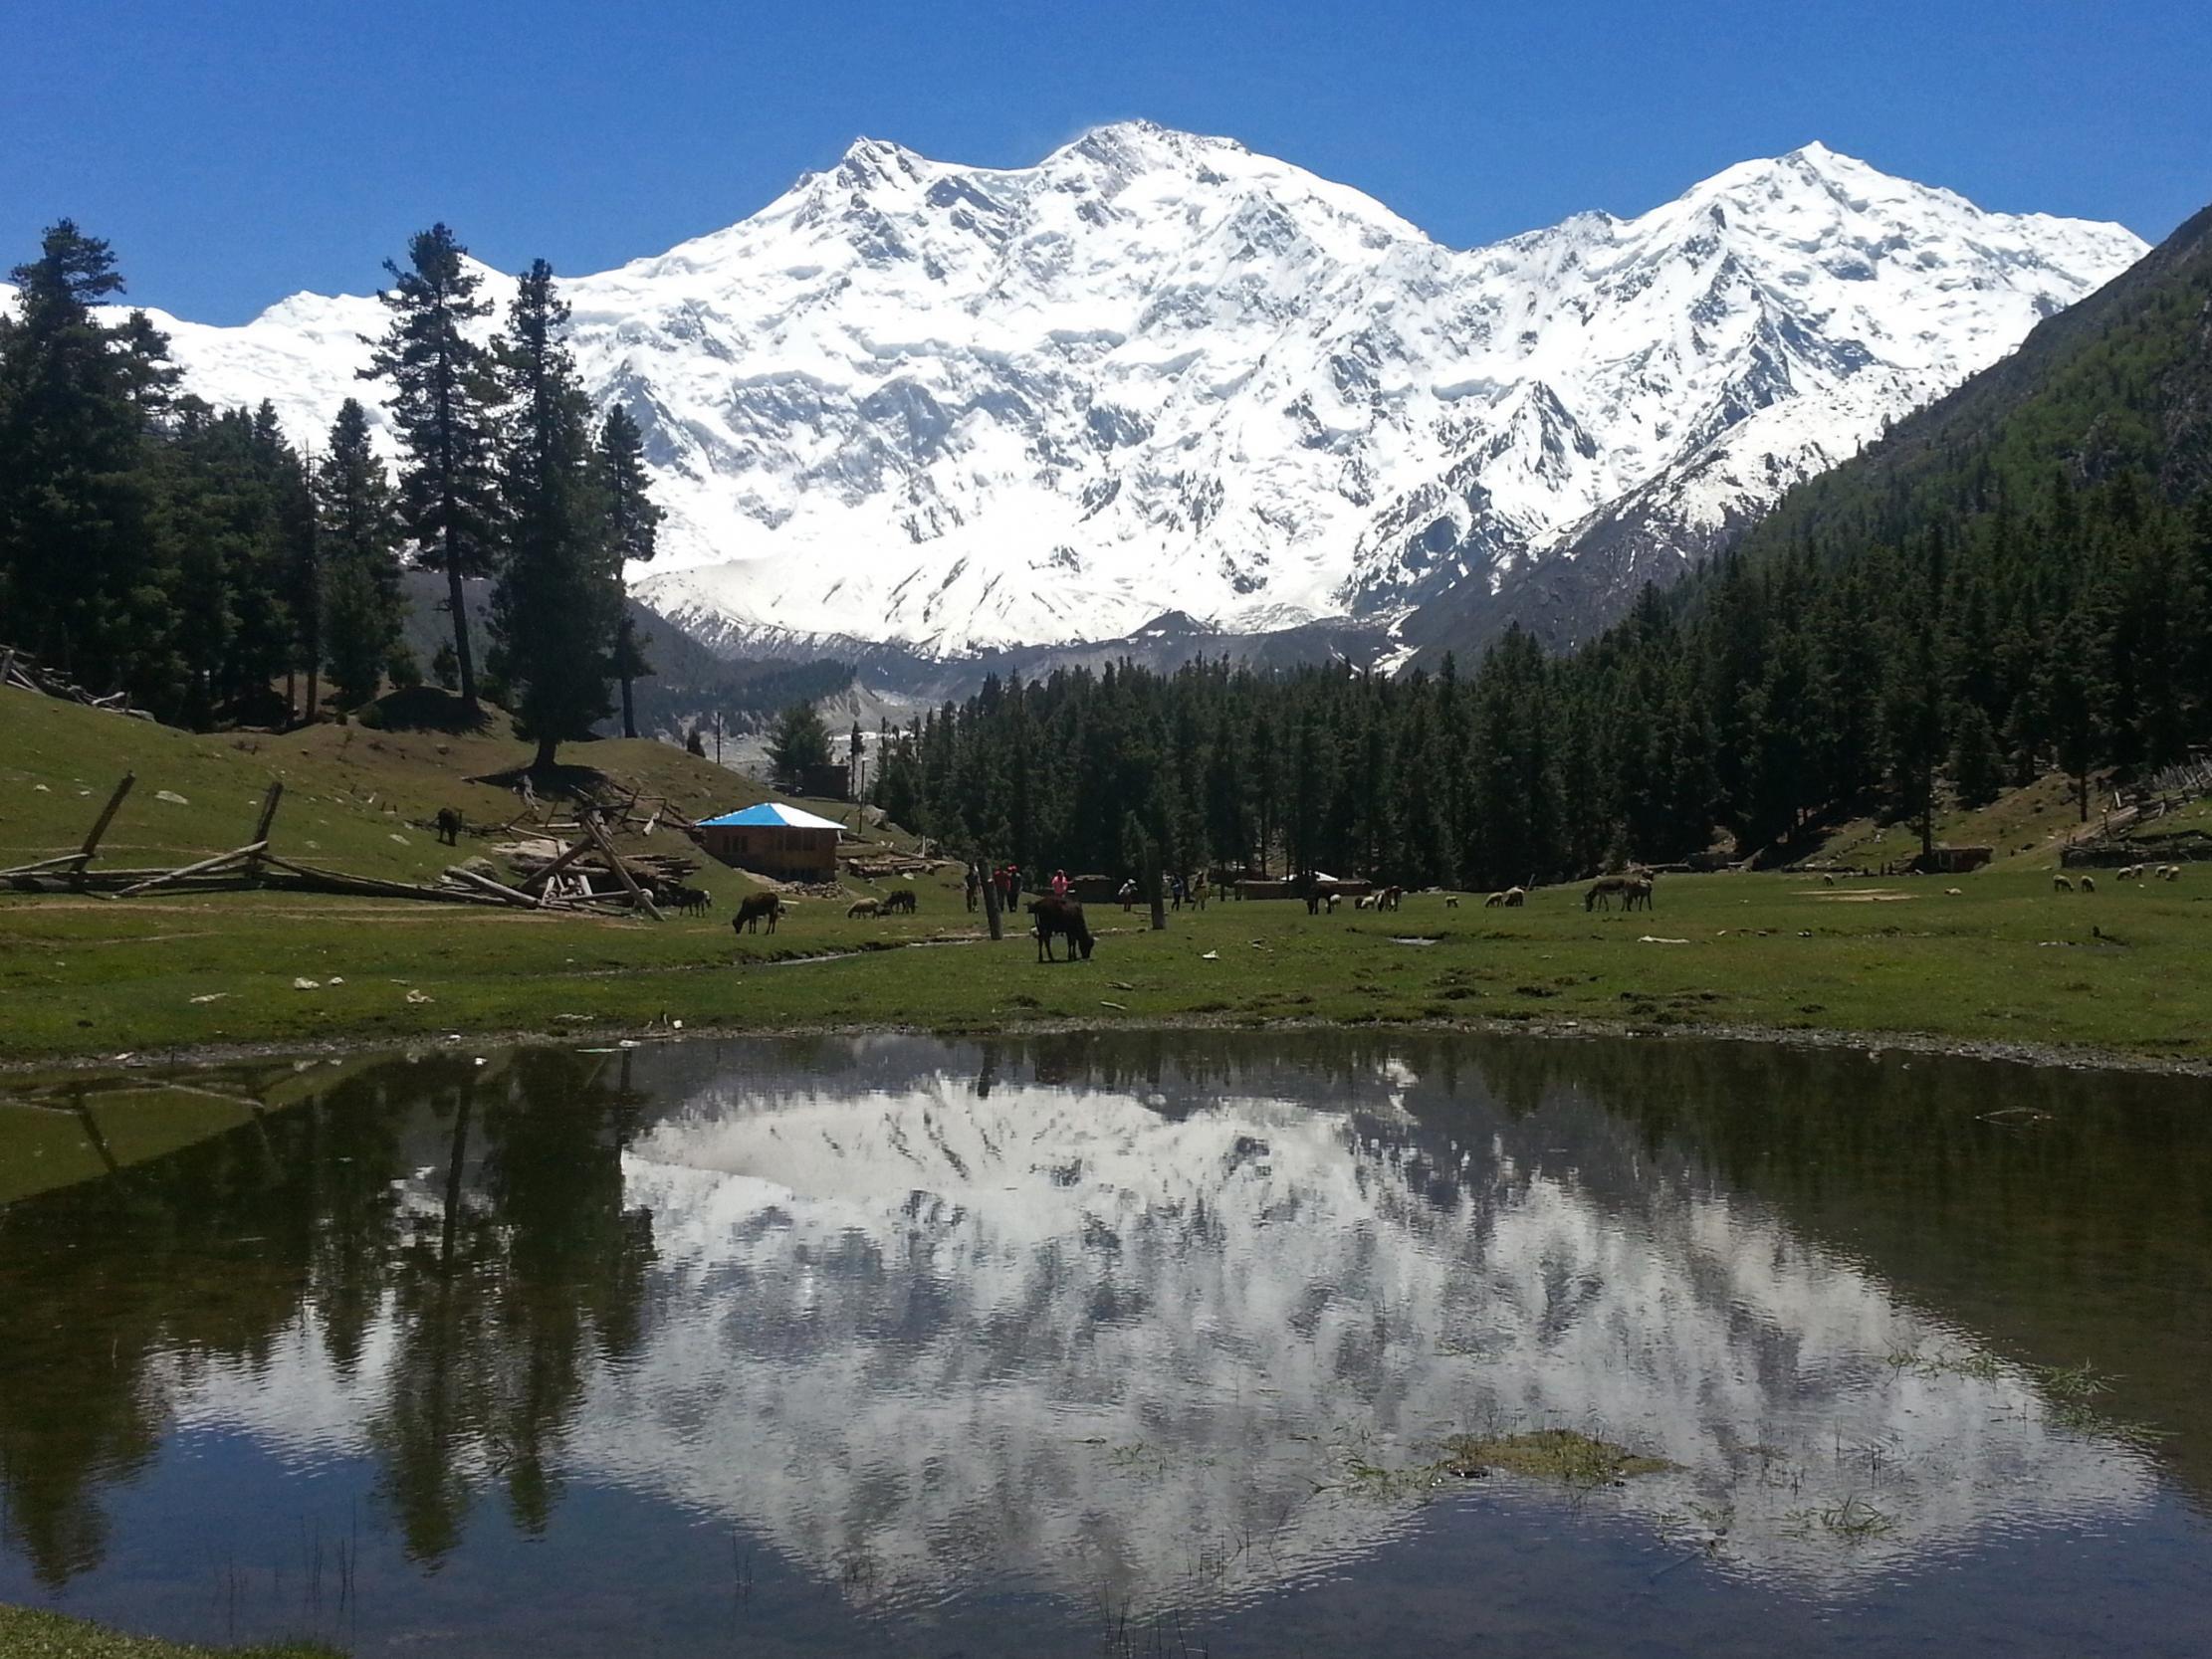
pixel 1159 894
pixel 991 913
pixel 107 817
pixel 261 826
pixel 621 869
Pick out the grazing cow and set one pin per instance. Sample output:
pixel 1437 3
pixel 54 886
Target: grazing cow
pixel 2059 883
pixel 901 902
pixel 756 908
pixel 863 907
pixel 691 901
pixel 449 826
pixel 1602 891
pixel 1060 918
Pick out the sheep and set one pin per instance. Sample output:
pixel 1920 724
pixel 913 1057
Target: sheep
pixel 2059 883
pixel 1828 881
pixel 1332 900
pixel 863 907
pixel 1493 902
pixel 1515 898
pixel 1452 900
pixel 2088 884
pixel 1954 892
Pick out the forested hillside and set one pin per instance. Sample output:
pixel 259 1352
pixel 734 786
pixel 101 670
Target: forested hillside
pixel 2017 579
pixel 219 572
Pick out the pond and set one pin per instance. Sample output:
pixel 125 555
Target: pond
pixel 1113 1344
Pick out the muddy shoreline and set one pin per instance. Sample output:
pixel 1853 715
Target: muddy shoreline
pixel 1873 1044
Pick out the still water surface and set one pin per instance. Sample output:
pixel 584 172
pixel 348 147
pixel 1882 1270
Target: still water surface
pixel 1111 1344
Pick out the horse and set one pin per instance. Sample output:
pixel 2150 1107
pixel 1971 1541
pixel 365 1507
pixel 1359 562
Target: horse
pixel 1602 891
pixel 1062 917
pixel 753 909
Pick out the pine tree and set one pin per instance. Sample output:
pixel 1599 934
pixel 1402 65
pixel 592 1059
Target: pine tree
pixel 632 523
pixel 359 526
pixel 1977 759
pixel 801 740
pixel 442 404
pixel 557 600
pixel 78 581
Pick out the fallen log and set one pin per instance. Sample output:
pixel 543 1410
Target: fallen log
pixel 237 855
pixel 526 901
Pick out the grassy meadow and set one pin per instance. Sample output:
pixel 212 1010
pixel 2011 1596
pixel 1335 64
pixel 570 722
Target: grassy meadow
pixel 2002 961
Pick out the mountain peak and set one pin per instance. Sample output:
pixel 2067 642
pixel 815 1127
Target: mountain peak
pixel 1160 372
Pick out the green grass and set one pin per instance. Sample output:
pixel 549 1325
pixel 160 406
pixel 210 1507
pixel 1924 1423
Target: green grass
pixel 2005 961
pixel 28 1635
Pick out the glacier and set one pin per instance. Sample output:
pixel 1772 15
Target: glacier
pixel 963 409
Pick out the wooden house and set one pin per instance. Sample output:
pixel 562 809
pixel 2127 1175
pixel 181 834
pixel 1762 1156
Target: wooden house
pixel 774 840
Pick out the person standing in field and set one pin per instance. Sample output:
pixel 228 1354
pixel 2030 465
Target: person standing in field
pixel 1059 883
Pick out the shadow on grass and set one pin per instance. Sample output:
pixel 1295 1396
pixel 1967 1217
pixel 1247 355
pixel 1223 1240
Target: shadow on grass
pixel 430 708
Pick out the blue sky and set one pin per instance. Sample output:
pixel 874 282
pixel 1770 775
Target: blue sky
pixel 237 150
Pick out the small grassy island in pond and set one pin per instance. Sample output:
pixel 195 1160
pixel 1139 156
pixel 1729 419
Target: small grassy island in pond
pixel 1551 1454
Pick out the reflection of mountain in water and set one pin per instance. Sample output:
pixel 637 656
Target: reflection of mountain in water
pixel 915 1326
pixel 1105 1327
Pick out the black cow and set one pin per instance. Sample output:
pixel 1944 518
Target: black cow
pixel 752 908
pixel 1060 917
pixel 450 826
pixel 902 900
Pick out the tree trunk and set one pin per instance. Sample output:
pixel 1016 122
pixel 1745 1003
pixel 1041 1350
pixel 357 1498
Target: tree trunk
pixel 314 695
pixel 455 600
pixel 544 760
pixel 622 661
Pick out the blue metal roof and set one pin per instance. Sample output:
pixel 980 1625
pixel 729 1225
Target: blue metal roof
pixel 772 815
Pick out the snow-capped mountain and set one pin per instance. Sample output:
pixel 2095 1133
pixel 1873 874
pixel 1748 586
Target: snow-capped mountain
pixel 960 407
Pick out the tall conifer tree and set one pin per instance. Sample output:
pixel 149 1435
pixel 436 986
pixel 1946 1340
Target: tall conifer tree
pixel 634 523
pixel 358 530
pixel 557 600
pixel 442 403
pixel 76 399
